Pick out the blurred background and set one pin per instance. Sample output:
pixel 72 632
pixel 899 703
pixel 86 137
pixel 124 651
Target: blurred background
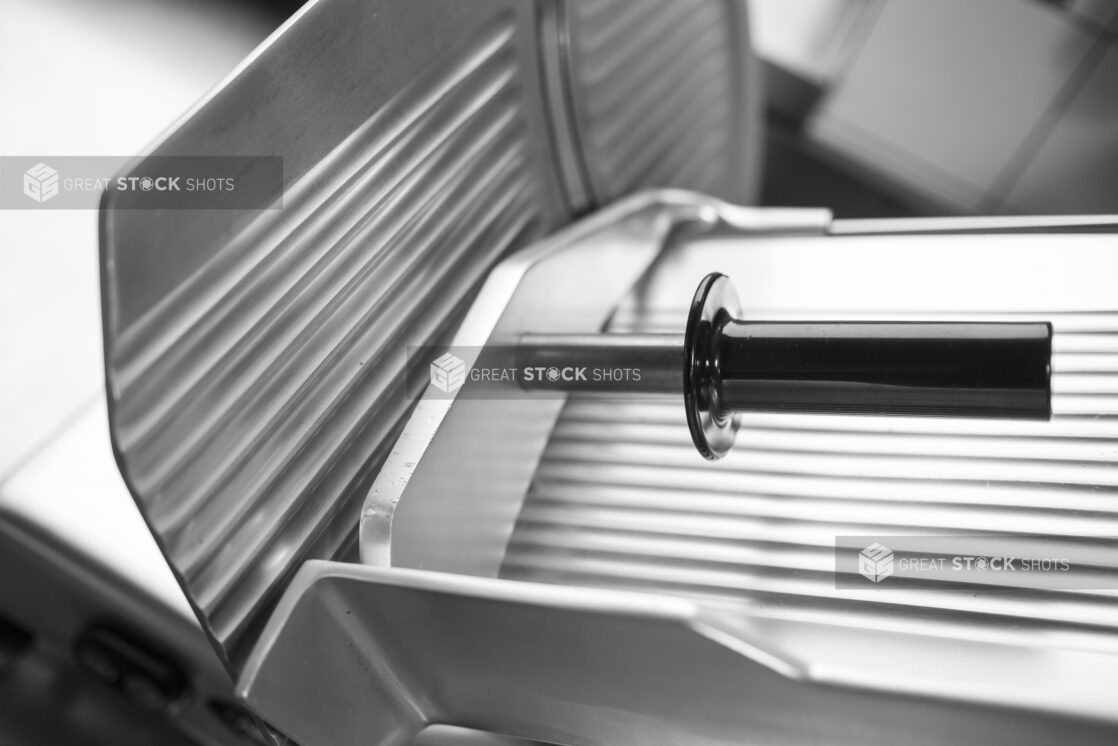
pixel 884 108
pixel 874 108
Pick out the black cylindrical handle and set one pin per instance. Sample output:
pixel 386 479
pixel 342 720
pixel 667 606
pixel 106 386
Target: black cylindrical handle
pixel 993 370
pixel 998 370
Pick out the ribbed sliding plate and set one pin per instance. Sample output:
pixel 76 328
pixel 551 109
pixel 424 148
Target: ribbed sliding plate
pixel 255 359
pixel 621 500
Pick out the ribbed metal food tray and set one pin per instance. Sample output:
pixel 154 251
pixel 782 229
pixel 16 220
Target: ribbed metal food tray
pixel 572 571
pixel 620 501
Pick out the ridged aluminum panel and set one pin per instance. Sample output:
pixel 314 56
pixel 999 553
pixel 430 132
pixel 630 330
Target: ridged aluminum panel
pixel 665 94
pixel 255 361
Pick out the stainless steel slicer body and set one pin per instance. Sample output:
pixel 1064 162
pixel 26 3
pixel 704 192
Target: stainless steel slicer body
pixel 370 558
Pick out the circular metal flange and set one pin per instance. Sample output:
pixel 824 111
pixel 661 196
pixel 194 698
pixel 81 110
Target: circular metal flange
pixel 712 430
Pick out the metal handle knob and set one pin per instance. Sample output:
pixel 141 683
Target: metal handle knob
pixel 724 365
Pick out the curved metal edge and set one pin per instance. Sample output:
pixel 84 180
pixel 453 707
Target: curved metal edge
pixel 109 314
pixel 357 655
pixel 555 74
pixel 976 224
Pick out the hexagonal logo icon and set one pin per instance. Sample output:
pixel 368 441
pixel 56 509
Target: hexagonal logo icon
pixel 875 562
pixel 448 373
pixel 40 182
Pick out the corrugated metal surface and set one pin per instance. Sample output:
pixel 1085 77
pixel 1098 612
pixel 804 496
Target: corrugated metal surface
pixel 663 96
pixel 255 359
pixel 252 407
pixel 621 500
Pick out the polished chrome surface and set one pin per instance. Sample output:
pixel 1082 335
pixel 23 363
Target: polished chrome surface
pixel 659 357
pixel 255 360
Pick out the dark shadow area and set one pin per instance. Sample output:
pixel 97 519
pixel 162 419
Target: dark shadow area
pixel 795 176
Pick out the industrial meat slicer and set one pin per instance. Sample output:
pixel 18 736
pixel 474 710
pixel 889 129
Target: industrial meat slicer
pixel 373 553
